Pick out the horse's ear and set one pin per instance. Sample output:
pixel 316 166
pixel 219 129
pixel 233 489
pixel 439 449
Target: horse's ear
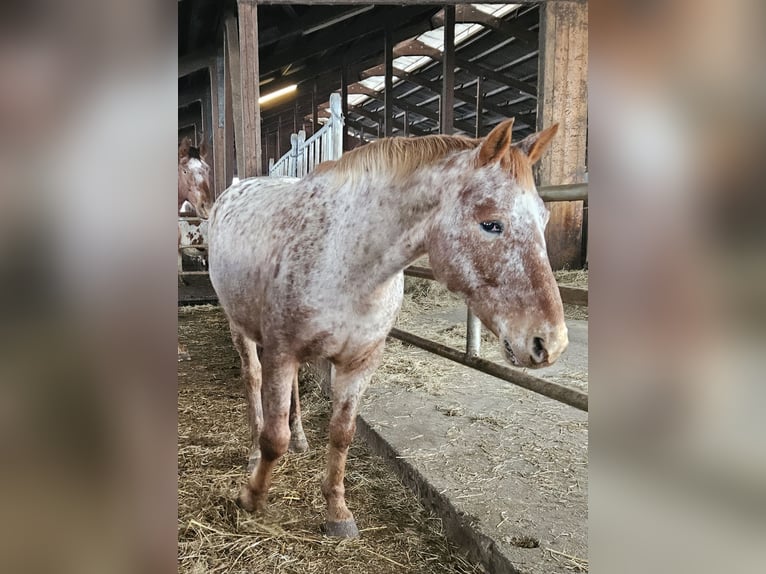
pixel 496 144
pixel 535 145
pixel 184 147
pixel 203 148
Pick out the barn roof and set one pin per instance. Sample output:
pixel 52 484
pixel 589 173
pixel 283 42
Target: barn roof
pixel 307 45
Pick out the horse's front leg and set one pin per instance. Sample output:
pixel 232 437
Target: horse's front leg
pixel 347 390
pixel 278 373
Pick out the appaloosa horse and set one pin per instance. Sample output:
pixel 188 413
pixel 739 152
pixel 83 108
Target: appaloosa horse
pixel 313 269
pixel 194 187
pixel 194 178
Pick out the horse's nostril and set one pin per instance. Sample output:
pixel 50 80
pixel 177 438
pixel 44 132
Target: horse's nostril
pixel 539 352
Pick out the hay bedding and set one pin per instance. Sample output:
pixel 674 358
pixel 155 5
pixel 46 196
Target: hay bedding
pixel 398 535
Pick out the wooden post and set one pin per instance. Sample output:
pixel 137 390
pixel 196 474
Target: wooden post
pixel 388 103
pixel 229 155
pixel 479 105
pixel 249 75
pixel 208 118
pixel 563 98
pixel 447 111
pixel 217 101
pixel 232 46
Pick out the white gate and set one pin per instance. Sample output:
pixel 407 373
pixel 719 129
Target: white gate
pixel 306 154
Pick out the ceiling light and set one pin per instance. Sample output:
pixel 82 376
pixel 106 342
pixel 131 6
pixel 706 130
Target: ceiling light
pixel 274 95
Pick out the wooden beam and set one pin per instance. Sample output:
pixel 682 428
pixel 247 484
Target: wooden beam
pixel 229 152
pixel 479 106
pixel 216 102
pixel 233 53
pixel 367 52
pixel 563 80
pixel 194 62
pixel 366 24
pixel 388 57
pixel 466 13
pixel 462 95
pixel 249 74
pixel 378 119
pixel 490 74
pixel 447 107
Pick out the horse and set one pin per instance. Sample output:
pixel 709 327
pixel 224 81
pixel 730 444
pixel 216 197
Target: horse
pixel 313 269
pixel 194 187
pixel 194 178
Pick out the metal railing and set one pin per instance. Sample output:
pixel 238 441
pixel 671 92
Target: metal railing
pixel 306 154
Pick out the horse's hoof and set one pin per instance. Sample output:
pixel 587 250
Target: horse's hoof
pixel 298 444
pixel 341 529
pixel 249 502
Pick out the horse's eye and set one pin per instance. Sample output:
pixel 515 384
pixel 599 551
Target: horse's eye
pixel 492 226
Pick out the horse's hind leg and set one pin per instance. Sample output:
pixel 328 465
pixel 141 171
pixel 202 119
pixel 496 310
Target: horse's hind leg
pixel 278 373
pixel 298 442
pixel 251 376
pixel 347 389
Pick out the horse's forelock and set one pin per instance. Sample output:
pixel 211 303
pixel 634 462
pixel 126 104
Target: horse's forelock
pixel 194 153
pixel 517 163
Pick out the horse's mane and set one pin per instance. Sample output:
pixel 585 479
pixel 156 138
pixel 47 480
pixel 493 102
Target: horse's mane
pixel 397 157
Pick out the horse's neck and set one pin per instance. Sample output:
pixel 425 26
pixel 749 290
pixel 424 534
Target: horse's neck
pixel 393 220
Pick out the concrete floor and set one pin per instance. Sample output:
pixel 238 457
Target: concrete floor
pixel 505 468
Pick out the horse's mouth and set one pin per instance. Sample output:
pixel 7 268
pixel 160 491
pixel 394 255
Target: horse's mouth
pixel 509 354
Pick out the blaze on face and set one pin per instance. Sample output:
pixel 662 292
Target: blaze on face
pixel 491 248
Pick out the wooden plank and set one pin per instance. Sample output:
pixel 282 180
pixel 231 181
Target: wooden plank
pixel 232 45
pixel 564 98
pixel 219 133
pixel 466 13
pixel 330 39
pixel 499 77
pixel 194 62
pixel 479 105
pixel 447 109
pixel 229 152
pixel 378 118
pixel 388 59
pixel 251 92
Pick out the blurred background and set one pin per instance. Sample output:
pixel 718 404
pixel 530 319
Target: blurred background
pixel 88 126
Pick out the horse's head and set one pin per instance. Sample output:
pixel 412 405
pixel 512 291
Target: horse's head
pixel 194 178
pixel 489 245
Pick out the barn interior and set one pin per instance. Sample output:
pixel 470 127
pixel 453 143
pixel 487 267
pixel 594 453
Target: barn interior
pixel 452 470
pixel 398 75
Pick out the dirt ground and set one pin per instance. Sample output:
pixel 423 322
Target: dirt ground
pixel 398 535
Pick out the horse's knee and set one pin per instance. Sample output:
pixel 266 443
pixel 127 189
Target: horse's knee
pixel 343 426
pixel 274 441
